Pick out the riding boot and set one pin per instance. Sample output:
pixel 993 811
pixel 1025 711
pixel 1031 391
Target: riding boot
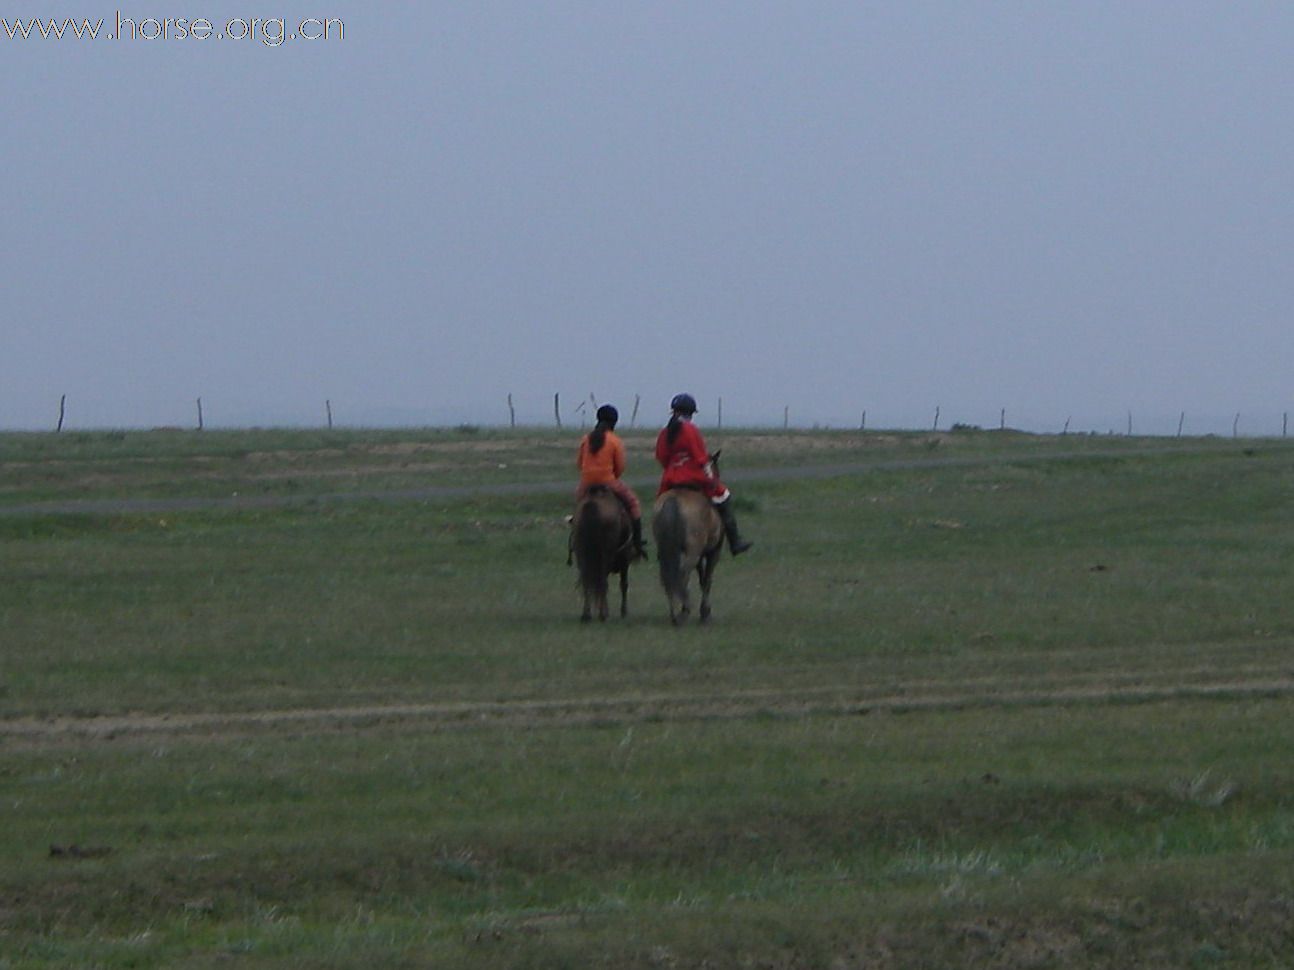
pixel 735 542
pixel 639 545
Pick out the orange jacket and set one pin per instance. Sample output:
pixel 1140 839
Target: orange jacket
pixel 606 465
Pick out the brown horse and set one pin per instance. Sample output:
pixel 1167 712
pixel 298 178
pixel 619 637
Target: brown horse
pixel 689 535
pixel 602 541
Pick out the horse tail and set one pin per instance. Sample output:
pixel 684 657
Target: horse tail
pixel 589 547
pixel 671 541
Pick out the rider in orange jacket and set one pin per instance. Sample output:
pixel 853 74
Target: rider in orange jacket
pixel 601 461
pixel 681 451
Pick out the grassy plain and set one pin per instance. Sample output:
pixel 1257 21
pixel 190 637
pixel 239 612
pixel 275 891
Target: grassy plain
pixel 975 699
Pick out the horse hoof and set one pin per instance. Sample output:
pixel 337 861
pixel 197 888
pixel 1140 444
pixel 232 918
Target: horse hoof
pixel 585 618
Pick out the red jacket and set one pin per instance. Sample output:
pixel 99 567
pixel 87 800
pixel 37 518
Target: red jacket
pixel 685 459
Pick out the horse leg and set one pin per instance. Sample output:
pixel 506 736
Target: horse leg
pixel 624 591
pixel 588 607
pixel 705 573
pixel 677 596
pixel 684 598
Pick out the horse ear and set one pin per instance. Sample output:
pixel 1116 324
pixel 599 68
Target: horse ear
pixel 717 453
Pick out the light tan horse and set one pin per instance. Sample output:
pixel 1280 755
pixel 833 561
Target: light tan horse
pixel 602 543
pixel 689 536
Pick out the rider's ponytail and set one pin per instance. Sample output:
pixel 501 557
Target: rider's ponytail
pixel 672 429
pixel 607 418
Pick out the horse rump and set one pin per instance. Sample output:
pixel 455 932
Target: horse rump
pixel 590 547
pixel 601 540
pixel 688 537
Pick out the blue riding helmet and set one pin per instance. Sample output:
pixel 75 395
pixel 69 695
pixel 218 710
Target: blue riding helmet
pixel 685 403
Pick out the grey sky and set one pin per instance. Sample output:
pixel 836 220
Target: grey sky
pixel 1063 209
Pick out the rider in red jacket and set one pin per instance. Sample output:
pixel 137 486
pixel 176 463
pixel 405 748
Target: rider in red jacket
pixel 681 451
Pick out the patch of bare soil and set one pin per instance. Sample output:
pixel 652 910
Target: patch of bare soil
pixel 349 471
pixel 1226 927
pixel 508 445
pixel 781 444
pixel 403 468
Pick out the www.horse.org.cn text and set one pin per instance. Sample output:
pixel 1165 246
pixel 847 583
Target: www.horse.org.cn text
pixel 270 31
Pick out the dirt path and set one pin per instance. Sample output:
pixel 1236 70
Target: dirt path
pixel 127 506
pixel 629 709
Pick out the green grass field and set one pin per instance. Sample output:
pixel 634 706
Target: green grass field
pixel 976 699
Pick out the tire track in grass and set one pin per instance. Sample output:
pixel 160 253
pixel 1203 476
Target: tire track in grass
pixel 796 703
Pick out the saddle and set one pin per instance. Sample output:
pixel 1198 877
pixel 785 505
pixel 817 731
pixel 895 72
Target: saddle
pixel 597 491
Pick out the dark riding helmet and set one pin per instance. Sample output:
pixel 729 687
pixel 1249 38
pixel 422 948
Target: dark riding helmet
pixel 685 403
pixel 608 415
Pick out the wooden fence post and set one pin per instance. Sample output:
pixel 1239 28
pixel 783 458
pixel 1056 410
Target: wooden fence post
pixel 328 411
pixel 1235 426
pixel 1181 420
pixel 199 414
pixel 786 418
pixel 1065 430
pixel 936 425
pixel 862 424
pixel 62 409
pixel 512 413
pixel 1001 424
pixel 557 408
pixel 633 420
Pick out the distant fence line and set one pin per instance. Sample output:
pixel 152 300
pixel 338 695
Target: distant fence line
pixel 585 409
